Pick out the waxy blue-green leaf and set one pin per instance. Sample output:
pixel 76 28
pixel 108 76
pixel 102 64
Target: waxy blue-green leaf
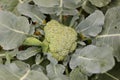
pixel 36 75
pixel 55 72
pixel 49 10
pixel 88 7
pixel 73 21
pixel 92 25
pixel 93 59
pixel 61 8
pixel 111 32
pixel 13 72
pixel 38 67
pixel 114 3
pixel 100 3
pixel 22 65
pixel 13 30
pixel 47 3
pixel 76 74
pixel 9 5
pixel 72 4
pixel 25 54
pixel 31 11
pixel 69 12
pixel 56 10
pixel 115 73
pixel 52 59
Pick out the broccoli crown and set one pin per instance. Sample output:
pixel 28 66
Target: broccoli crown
pixel 61 39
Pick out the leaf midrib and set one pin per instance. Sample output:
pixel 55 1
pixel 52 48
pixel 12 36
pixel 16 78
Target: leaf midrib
pixel 14 30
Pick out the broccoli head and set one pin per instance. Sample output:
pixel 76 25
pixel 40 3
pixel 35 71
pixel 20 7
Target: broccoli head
pixel 60 39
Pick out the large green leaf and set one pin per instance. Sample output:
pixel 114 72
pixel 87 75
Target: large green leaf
pixel 57 10
pixel 31 11
pixel 51 59
pixel 47 3
pixel 55 72
pixel 49 10
pixel 69 12
pixel 113 74
pixel 88 7
pixel 92 25
pixel 13 30
pixel 21 65
pixel 59 7
pixel 23 55
pixel 11 6
pixel 13 72
pixel 92 60
pixel 72 4
pixel 36 75
pixel 100 3
pixel 112 30
pixel 115 3
pixel 75 74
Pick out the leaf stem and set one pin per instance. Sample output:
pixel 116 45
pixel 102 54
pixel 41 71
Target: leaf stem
pixel 41 60
pixel 109 35
pixel 66 71
pixel 61 3
pixel 8 58
pixel 38 18
pixel 2 55
pixel 84 3
pixel 24 76
pixel 80 11
pixel 29 35
pixel 61 10
pixel 111 76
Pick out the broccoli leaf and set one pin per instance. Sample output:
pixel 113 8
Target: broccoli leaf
pixel 112 30
pixel 92 60
pixel 23 55
pixel 92 25
pixel 115 3
pixel 100 3
pixel 114 72
pixel 46 3
pixel 13 72
pixel 31 11
pixel 72 4
pixel 13 30
pixel 11 6
pixel 88 7
pixel 77 75
pixel 55 72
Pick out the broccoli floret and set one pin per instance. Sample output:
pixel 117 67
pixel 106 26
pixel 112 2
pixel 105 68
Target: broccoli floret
pixel 60 39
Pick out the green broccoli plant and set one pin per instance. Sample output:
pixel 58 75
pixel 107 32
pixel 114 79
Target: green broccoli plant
pixel 59 40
